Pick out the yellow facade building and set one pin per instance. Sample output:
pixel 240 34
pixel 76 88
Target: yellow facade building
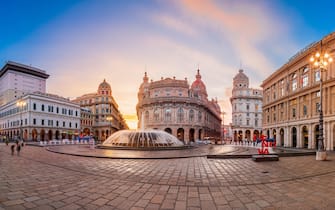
pixel 101 116
pixel 291 103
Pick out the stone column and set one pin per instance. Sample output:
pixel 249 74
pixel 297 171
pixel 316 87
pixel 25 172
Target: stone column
pixel 299 137
pixel 174 132
pixel 186 135
pixel 310 136
pixel 328 139
pixel 331 135
pixel 287 137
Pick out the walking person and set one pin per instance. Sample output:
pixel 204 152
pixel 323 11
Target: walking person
pixel 18 148
pixel 12 147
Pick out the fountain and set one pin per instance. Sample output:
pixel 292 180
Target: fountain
pixel 142 140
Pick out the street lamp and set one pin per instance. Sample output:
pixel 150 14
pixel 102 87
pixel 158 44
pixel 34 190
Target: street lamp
pixel 321 60
pixel 21 104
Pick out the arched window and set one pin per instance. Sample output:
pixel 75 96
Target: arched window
pixel 199 116
pixel 305 77
pixel 191 115
pixel 156 115
pixel 294 82
pixel 146 116
pixel 168 114
pixel 180 115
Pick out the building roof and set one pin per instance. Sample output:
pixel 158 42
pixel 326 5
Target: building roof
pixel 198 84
pixel 10 65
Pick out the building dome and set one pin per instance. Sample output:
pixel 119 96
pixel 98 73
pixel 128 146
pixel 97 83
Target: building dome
pixel 104 88
pixel 198 87
pixel 241 80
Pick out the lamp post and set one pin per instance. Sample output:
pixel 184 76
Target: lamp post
pixel 321 60
pixel 21 104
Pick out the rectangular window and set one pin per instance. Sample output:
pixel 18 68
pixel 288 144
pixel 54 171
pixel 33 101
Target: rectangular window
pixel 305 80
pixel 34 106
pixel 294 85
pixel 63 123
pixel 42 122
pixel 318 94
pixel 317 106
pixel 293 112
pixel 34 121
pixel 317 76
pixel 305 110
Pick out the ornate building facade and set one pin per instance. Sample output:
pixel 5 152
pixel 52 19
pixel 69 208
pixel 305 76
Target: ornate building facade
pixel 291 101
pixel 175 107
pixel 246 109
pixel 102 108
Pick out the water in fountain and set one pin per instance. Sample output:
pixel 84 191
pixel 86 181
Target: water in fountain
pixel 142 138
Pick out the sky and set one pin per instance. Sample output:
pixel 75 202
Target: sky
pixel 82 42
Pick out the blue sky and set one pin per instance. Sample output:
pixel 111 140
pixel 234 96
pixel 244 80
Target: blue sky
pixel 80 43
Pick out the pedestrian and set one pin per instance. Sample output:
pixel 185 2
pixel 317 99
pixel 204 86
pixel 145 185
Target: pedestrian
pixel 12 147
pixel 18 148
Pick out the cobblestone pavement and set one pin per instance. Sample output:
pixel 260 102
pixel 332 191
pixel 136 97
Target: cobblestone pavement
pixel 38 179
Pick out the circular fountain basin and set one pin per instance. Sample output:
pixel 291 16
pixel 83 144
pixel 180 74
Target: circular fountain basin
pixel 142 140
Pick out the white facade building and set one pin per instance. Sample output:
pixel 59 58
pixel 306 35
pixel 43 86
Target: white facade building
pixel 246 109
pixel 40 117
pixel 17 80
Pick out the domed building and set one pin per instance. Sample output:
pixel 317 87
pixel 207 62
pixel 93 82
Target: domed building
pixel 175 107
pixel 102 111
pixel 246 108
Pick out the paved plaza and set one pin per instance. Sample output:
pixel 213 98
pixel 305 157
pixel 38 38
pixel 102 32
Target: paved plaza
pixel 40 179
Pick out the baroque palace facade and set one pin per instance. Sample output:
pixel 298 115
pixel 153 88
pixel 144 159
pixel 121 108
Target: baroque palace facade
pixel 175 107
pixel 292 99
pixel 100 114
pixel 246 109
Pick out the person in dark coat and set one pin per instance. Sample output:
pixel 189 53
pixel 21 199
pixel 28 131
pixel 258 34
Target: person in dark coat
pixel 18 148
pixel 12 147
